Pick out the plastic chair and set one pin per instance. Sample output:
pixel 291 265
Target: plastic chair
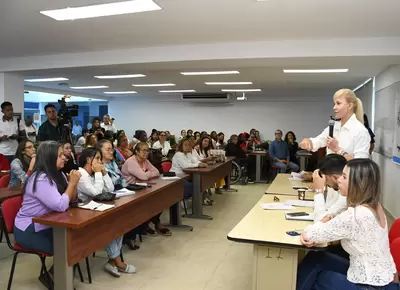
pixel 395 250
pixel 4 181
pixel 4 164
pixel 394 231
pixel 166 166
pixel 9 210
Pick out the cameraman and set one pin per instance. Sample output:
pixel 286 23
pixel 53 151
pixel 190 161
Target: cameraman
pixel 51 129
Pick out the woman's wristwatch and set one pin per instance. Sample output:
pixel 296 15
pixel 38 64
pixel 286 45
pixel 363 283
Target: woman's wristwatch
pixel 342 152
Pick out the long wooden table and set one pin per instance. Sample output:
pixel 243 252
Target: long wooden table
pixel 78 232
pixel 6 193
pixel 204 178
pixel 275 253
pixel 283 186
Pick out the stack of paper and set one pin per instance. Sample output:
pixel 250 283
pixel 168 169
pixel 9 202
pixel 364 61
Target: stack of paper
pixel 308 217
pixel 300 203
pixel 123 192
pixel 92 205
pixel 169 177
pixel 296 176
pixel 276 206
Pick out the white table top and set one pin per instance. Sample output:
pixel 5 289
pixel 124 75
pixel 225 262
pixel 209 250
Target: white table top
pixel 283 186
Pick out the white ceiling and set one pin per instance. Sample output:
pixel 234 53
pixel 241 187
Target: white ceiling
pixel 25 32
pixel 265 74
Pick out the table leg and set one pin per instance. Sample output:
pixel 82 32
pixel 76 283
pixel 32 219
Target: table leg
pixel 197 200
pixel 258 168
pixel 175 219
pixel 63 278
pixel 228 185
pixel 274 268
pixel 302 163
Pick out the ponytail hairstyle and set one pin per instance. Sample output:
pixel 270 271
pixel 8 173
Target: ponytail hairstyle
pixel 352 98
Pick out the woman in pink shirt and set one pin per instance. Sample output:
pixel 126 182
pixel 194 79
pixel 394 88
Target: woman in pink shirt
pixel 138 167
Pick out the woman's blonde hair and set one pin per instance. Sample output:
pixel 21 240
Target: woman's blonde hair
pixel 352 98
pixel 364 183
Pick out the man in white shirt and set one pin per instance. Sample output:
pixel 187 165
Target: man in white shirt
pixel 108 124
pixel 82 140
pixel 329 202
pixel 30 129
pixel 10 130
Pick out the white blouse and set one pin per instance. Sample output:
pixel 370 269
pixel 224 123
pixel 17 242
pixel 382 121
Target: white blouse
pixel 164 148
pixel 353 138
pixel 182 161
pixel 91 185
pixel 367 243
pixel 199 155
pixel 334 203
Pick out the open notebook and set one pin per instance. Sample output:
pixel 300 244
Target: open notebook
pixel 92 205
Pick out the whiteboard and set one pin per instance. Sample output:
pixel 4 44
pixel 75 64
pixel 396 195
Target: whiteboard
pixel 385 119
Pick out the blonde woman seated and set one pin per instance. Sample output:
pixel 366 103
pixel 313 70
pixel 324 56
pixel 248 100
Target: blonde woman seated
pixel 362 231
pixel 95 181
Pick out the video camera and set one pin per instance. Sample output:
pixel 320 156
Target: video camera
pixel 66 113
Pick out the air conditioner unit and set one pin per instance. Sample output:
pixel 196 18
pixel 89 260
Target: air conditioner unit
pixel 206 97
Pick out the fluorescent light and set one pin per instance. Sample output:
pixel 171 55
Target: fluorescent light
pixel 117 8
pixel 177 91
pixel 241 90
pixel 204 73
pixel 120 93
pixel 89 87
pixel 121 76
pixel 227 83
pixel 363 84
pixel 314 71
pixel 46 80
pixel 155 85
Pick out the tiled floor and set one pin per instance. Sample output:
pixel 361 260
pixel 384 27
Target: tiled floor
pixel 200 260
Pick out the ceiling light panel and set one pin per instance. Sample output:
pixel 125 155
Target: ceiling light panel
pixel 314 71
pixel 205 73
pixel 227 83
pixel 120 76
pixel 117 8
pixel 241 90
pixel 43 80
pixel 89 87
pixel 155 85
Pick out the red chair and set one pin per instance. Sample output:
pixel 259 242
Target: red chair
pixel 395 250
pixel 166 166
pixel 4 164
pixel 9 210
pixel 394 231
pixel 4 181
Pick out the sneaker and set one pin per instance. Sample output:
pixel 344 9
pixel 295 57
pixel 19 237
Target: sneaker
pixel 112 270
pixel 130 269
pixel 250 181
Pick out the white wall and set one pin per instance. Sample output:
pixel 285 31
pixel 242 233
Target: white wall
pixel 306 116
pixel 389 170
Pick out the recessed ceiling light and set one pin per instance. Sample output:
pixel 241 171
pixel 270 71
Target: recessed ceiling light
pixel 120 93
pixel 89 87
pixel 177 91
pixel 155 85
pixel 121 76
pixel 117 8
pixel 46 80
pixel 204 73
pixel 227 83
pixel 241 90
pixel 314 71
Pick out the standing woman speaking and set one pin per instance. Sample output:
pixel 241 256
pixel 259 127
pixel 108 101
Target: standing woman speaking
pixel 350 138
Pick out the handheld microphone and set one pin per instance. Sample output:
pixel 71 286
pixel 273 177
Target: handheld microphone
pixel 331 126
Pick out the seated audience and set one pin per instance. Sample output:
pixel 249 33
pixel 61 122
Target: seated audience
pixel 91 141
pixel 171 139
pixel 82 140
pixel 108 124
pixel 123 152
pixel 184 159
pixel 140 136
pixel 153 138
pixel 189 133
pixel 183 134
pixel 110 164
pixel 280 155
pixel 162 144
pixel 258 137
pixel 139 168
pixel 46 190
pixel 95 181
pixel 327 200
pixel 70 163
pixel 201 151
pixel 97 129
pixel 203 133
pixel 23 163
pixel 197 136
pixel 290 139
pixel 243 141
pixel 220 143
pixel 109 135
pixel 214 139
pixel 363 232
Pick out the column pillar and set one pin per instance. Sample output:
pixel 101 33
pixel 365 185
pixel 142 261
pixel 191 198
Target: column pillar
pixel 12 90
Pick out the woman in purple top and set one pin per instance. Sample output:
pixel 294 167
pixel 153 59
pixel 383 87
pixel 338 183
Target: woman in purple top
pixel 46 190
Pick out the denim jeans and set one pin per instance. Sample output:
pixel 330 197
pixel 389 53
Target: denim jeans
pixel 188 189
pixel 113 249
pixel 283 168
pixel 41 241
pixel 327 271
